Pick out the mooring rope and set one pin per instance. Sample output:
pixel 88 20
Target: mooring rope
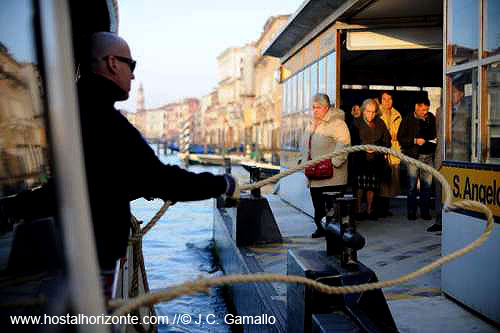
pixel 203 284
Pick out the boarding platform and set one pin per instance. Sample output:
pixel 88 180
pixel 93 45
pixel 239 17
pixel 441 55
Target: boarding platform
pixel 394 247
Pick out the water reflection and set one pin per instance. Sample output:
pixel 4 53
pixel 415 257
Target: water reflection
pixel 23 145
pixel 178 249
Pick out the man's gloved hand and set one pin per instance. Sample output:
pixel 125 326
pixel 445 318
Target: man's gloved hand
pixel 232 188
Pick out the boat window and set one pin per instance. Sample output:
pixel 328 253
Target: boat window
pixel 300 91
pixel 307 90
pixel 284 98
pixel 322 76
pixel 491 27
pixel 314 79
pixel 463 31
pixel 293 95
pixel 493 88
pixel 23 143
pixel 463 119
pixel 332 77
pixel 29 240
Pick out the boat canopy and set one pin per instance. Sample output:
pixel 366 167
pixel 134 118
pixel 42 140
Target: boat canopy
pixel 313 17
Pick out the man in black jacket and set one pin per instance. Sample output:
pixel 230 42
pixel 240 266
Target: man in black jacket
pixel 120 165
pixel 417 136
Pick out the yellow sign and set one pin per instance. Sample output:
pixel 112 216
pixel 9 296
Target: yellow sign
pixel 477 185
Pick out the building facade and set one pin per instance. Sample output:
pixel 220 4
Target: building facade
pixel 263 122
pixel 235 89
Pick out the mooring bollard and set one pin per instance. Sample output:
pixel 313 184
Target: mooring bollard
pixel 227 165
pixel 311 311
pixel 342 240
pixel 255 177
pixel 330 204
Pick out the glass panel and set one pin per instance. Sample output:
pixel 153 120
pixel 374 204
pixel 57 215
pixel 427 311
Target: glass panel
pixel 332 76
pixel 493 77
pixel 300 92
pixel 491 27
pixel 463 31
pixel 27 230
pixel 285 98
pixel 322 76
pixel 307 90
pixel 290 95
pixel 314 79
pixel 23 144
pixel 463 120
pixel 293 82
pixel 293 130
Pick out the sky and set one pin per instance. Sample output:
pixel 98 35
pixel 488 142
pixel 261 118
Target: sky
pixel 16 33
pixel 176 43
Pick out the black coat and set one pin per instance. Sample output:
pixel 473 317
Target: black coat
pixel 121 167
pixel 412 128
pixel 362 134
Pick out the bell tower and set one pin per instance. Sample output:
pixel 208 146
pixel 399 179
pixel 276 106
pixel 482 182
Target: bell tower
pixel 140 98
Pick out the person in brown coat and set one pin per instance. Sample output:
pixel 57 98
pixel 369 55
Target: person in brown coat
pixel 369 130
pixel 327 132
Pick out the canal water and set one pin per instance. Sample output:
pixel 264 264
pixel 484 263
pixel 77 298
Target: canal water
pixel 178 249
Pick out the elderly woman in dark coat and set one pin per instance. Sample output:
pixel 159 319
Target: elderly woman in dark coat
pixel 369 130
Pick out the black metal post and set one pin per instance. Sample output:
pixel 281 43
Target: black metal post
pixel 227 165
pixel 342 240
pixel 255 177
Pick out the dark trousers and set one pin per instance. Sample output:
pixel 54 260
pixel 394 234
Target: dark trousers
pixel 319 201
pixel 438 203
pixel 425 186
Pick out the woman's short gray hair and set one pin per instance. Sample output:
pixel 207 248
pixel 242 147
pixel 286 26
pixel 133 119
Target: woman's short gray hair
pixel 321 99
pixel 367 102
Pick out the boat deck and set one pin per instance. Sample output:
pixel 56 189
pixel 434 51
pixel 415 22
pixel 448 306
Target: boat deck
pixel 395 246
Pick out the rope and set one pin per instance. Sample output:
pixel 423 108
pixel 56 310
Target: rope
pixel 157 217
pixel 203 285
pixel 138 266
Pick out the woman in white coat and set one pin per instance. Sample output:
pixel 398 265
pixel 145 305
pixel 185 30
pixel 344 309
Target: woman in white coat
pixel 326 133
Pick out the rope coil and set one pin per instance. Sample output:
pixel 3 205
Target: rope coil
pixel 203 284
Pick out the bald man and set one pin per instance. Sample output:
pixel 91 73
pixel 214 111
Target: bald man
pixel 120 165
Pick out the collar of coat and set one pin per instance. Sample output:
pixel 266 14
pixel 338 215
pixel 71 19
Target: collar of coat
pixel 101 88
pixel 329 115
pixel 394 114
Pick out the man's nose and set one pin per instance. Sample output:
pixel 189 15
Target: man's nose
pixel 132 76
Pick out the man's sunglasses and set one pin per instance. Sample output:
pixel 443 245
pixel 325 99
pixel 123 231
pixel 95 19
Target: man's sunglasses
pixel 131 63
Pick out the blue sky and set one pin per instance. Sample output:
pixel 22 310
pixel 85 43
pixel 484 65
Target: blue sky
pixel 16 33
pixel 176 43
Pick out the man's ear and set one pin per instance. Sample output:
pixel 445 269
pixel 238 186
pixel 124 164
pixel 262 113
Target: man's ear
pixel 111 64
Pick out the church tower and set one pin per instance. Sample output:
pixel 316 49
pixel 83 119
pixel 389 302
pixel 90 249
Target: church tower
pixel 140 98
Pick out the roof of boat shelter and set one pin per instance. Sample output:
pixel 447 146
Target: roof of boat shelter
pixel 314 16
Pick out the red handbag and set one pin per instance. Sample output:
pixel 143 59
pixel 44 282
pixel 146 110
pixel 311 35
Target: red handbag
pixel 322 170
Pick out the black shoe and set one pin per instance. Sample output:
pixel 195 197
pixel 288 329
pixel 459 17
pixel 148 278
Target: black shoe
pixel 435 227
pixel 372 216
pixel 412 216
pixel 426 216
pixel 318 234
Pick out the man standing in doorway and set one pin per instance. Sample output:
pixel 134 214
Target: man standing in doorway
pixel 417 136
